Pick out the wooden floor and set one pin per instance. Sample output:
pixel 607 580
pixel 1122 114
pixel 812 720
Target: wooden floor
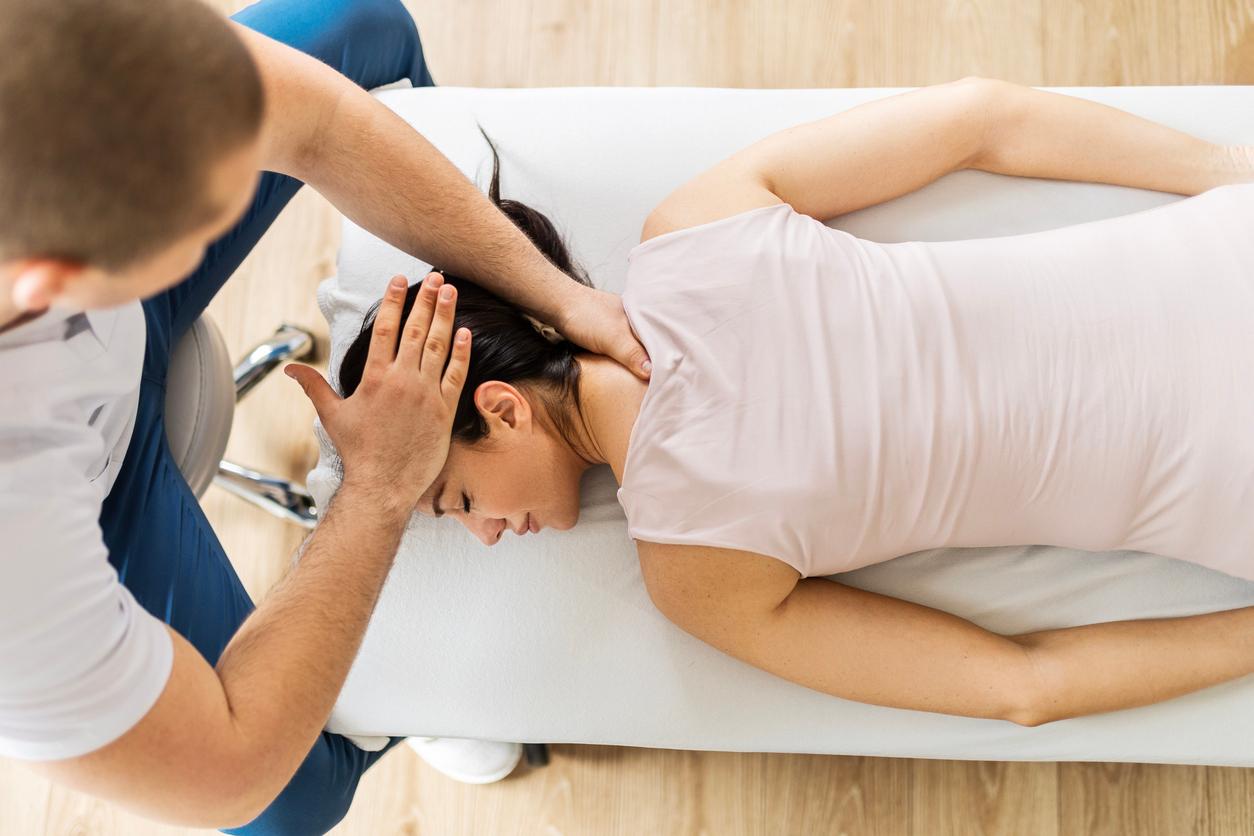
pixel 740 43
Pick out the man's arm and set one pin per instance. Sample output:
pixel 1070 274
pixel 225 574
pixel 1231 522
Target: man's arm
pixel 219 745
pixel 326 131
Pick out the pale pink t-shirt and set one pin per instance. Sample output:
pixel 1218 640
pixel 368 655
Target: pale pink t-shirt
pixel 833 402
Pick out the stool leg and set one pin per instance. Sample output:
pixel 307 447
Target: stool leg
pixel 287 343
pixel 537 754
pixel 280 497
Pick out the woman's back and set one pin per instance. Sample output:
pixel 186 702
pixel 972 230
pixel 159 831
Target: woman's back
pixel 833 402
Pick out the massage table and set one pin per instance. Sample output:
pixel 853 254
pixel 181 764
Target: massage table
pixel 551 638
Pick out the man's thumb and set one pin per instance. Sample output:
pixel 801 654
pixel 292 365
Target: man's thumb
pixel 316 388
pixel 638 361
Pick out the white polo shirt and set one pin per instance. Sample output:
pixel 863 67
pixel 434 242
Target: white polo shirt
pixel 80 661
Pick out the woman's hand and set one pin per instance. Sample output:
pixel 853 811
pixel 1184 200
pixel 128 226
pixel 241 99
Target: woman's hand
pixel 595 320
pixel 393 433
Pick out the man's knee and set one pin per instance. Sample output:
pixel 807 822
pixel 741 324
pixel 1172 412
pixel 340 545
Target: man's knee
pixel 297 814
pixel 372 17
pixel 373 42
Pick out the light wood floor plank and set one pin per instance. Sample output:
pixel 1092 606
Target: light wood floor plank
pixel 1118 799
pixel 1113 42
pixel 592 42
pixel 1220 39
pixel 985 798
pixel 1229 801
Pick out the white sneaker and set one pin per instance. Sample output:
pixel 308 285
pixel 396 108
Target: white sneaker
pixel 468 761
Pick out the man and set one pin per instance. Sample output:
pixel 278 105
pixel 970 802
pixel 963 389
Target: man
pixel 132 663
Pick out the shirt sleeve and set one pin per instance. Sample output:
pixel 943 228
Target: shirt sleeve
pixel 80 661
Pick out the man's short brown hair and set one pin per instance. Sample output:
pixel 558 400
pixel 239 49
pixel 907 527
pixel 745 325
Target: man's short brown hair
pixel 112 115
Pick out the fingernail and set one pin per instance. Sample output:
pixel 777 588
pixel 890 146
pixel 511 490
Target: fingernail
pixel 398 282
pixel 287 370
pixel 446 292
pixel 463 336
pixel 647 366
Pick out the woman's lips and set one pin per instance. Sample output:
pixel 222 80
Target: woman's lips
pixel 532 525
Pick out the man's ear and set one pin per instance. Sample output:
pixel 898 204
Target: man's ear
pixel 500 402
pixel 39 282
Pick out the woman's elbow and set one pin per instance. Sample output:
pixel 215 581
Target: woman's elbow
pixel 1030 715
pixel 983 89
pixel 981 109
pixel 1032 696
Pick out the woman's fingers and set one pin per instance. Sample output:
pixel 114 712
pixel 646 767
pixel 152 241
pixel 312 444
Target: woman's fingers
pixel 419 322
pixel 382 349
pixel 440 336
pixel 458 368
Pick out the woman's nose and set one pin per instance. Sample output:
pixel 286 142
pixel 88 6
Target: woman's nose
pixel 488 531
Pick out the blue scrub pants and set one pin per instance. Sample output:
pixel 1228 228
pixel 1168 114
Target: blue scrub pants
pixel 158 538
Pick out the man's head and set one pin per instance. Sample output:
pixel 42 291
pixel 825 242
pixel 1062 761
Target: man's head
pixel 129 140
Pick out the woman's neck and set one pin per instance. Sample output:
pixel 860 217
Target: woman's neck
pixel 609 402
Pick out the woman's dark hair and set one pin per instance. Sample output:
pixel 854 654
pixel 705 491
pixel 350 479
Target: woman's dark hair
pixel 505 345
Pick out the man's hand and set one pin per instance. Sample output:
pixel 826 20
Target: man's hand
pixel 393 433
pixel 595 320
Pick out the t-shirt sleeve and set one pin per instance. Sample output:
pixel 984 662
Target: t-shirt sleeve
pixel 80 661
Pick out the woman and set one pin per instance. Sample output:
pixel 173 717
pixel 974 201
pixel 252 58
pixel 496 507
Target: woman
pixel 819 402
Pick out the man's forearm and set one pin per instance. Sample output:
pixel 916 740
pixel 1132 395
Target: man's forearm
pixel 386 177
pixel 1054 136
pixel 406 192
pixel 219 745
pixel 322 129
pixel 284 668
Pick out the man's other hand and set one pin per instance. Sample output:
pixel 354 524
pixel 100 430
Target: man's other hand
pixel 393 433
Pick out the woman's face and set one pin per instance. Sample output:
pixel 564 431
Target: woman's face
pixel 522 477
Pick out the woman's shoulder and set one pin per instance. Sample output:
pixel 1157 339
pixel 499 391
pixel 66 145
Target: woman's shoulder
pixel 679 576
pixel 663 229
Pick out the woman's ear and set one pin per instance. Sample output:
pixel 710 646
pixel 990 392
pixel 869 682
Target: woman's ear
pixel 37 283
pixel 503 405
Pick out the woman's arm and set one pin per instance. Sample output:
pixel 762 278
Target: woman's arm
pixel 892 146
pixel 870 648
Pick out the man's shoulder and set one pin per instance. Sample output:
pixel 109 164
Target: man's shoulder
pixel 69 387
pixel 59 356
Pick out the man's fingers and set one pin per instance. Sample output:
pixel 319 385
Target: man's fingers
pixel 386 322
pixel 316 389
pixel 419 321
pixel 458 368
pixel 440 336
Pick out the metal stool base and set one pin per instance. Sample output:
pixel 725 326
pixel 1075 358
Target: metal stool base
pixel 288 500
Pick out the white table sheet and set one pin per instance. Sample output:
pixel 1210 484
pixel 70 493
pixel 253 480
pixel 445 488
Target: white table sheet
pixel 552 637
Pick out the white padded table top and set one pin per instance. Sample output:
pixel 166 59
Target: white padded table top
pixel 552 637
